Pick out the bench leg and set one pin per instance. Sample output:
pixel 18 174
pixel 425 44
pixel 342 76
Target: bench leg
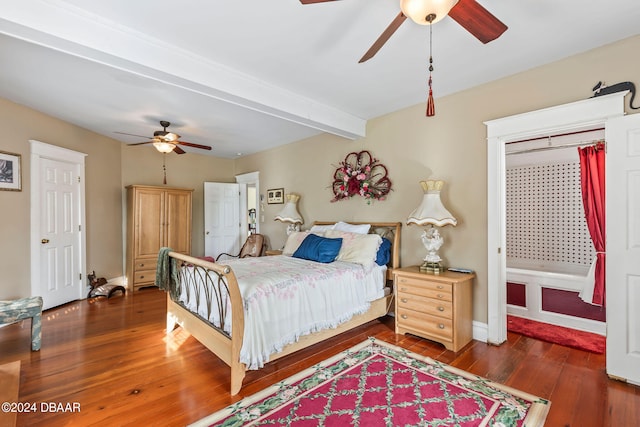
pixel 36 331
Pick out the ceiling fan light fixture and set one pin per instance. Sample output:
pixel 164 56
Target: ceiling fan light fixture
pixel 166 136
pixel 163 147
pixel 419 10
pixel 170 136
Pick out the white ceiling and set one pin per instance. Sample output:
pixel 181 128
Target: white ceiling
pixel 249 75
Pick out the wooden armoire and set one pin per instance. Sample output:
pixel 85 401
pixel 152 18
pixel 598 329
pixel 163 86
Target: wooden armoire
pixel 156 217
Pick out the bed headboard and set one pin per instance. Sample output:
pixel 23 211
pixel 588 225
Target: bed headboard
pixel 389 230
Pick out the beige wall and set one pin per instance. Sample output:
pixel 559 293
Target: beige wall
pixel 103 208
pixel 449 146
pixel 143 165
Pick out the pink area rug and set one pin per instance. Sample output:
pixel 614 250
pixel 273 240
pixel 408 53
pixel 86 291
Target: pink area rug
pixel 379 384
pixel 557 334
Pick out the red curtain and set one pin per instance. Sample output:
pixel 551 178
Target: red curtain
pixel 593 198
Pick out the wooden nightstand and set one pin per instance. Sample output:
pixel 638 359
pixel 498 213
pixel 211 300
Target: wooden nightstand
pixel 436 307
pixel 270 252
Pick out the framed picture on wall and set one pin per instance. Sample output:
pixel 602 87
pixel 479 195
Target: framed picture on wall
pixel 10 172
pixel 275 196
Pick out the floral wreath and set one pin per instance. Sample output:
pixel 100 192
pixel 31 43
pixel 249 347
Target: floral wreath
pixel 363 175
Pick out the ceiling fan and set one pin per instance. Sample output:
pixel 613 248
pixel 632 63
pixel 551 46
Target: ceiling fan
pixel 468 13
pixel 165 141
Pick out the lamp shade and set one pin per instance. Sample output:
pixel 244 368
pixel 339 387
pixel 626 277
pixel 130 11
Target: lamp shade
pixel 418 10
pixel 431 210
pixel 289 212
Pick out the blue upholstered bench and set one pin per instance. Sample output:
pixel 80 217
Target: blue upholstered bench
pixel 24 308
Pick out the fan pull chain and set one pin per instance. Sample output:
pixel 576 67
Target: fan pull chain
pixel 164 167
pixel 431 108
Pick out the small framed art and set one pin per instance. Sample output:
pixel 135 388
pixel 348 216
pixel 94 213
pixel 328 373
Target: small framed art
pixel 275 196
pixel 10 172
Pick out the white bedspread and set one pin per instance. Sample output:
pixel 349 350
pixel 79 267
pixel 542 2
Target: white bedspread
pixel 285 298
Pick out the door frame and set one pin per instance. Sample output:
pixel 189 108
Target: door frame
pixel 581 115
pixel 244 180
pixel 41 150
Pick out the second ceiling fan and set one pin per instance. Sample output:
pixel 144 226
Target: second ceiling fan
pixel 165 141
pixel 468 13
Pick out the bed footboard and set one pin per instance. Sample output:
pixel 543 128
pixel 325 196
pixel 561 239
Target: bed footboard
pixel 221 285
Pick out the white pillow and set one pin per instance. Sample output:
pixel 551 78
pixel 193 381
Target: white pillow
pixel 293 241
pixel 352 228
pixel 321 228
pixel 357 248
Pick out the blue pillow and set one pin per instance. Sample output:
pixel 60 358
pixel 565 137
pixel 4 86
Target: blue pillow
pixel 384 252
pixel 319 249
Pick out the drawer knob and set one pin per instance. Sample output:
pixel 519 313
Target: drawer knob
pixel 142 277
pixel 403 289
pixel 440 287
pixel 440 296
pixel 403 299
pixel 440 308
pixel 404 316
pixel 441 326
pixel 141 265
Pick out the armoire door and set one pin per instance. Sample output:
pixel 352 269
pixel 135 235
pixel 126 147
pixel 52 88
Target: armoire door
pixel 149 232
pixel 178 221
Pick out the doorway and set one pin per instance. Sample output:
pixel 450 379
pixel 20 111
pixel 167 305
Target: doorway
pixel 231 212
pixel 251 209
pixel 622 134
pixel 58 243
pixel 222 223
pixel 583 115
pixel 550 255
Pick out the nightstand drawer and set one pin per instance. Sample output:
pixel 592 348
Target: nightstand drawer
pixel 426 291
pixel 432 306
pixel 425 324
pixel 423 287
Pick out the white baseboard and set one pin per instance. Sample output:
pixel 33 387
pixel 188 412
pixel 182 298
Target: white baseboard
pixel 480 331
pixel 121 281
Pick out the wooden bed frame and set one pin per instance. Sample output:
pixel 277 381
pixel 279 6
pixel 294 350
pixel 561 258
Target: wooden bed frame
pixel 226 347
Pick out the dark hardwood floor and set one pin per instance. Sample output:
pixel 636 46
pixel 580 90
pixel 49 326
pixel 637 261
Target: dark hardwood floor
pixel 112 357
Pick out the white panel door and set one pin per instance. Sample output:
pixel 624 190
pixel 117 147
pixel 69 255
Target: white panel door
pixel 221 218
pixel 60 266
pixel 623 248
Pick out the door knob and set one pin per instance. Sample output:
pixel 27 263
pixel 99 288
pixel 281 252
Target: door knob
pixel 44 241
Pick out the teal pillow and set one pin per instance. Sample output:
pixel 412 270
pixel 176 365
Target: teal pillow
pixel 318 248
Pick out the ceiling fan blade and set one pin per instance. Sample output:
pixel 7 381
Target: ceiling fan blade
pixel 178 150
pixel 386 34
pixel 314 1
pixel 477 20
pixel 190 144
pixel 133 134
pixel 142 143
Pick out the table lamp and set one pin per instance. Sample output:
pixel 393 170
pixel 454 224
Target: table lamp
pixel 431 212
pixel 289 214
